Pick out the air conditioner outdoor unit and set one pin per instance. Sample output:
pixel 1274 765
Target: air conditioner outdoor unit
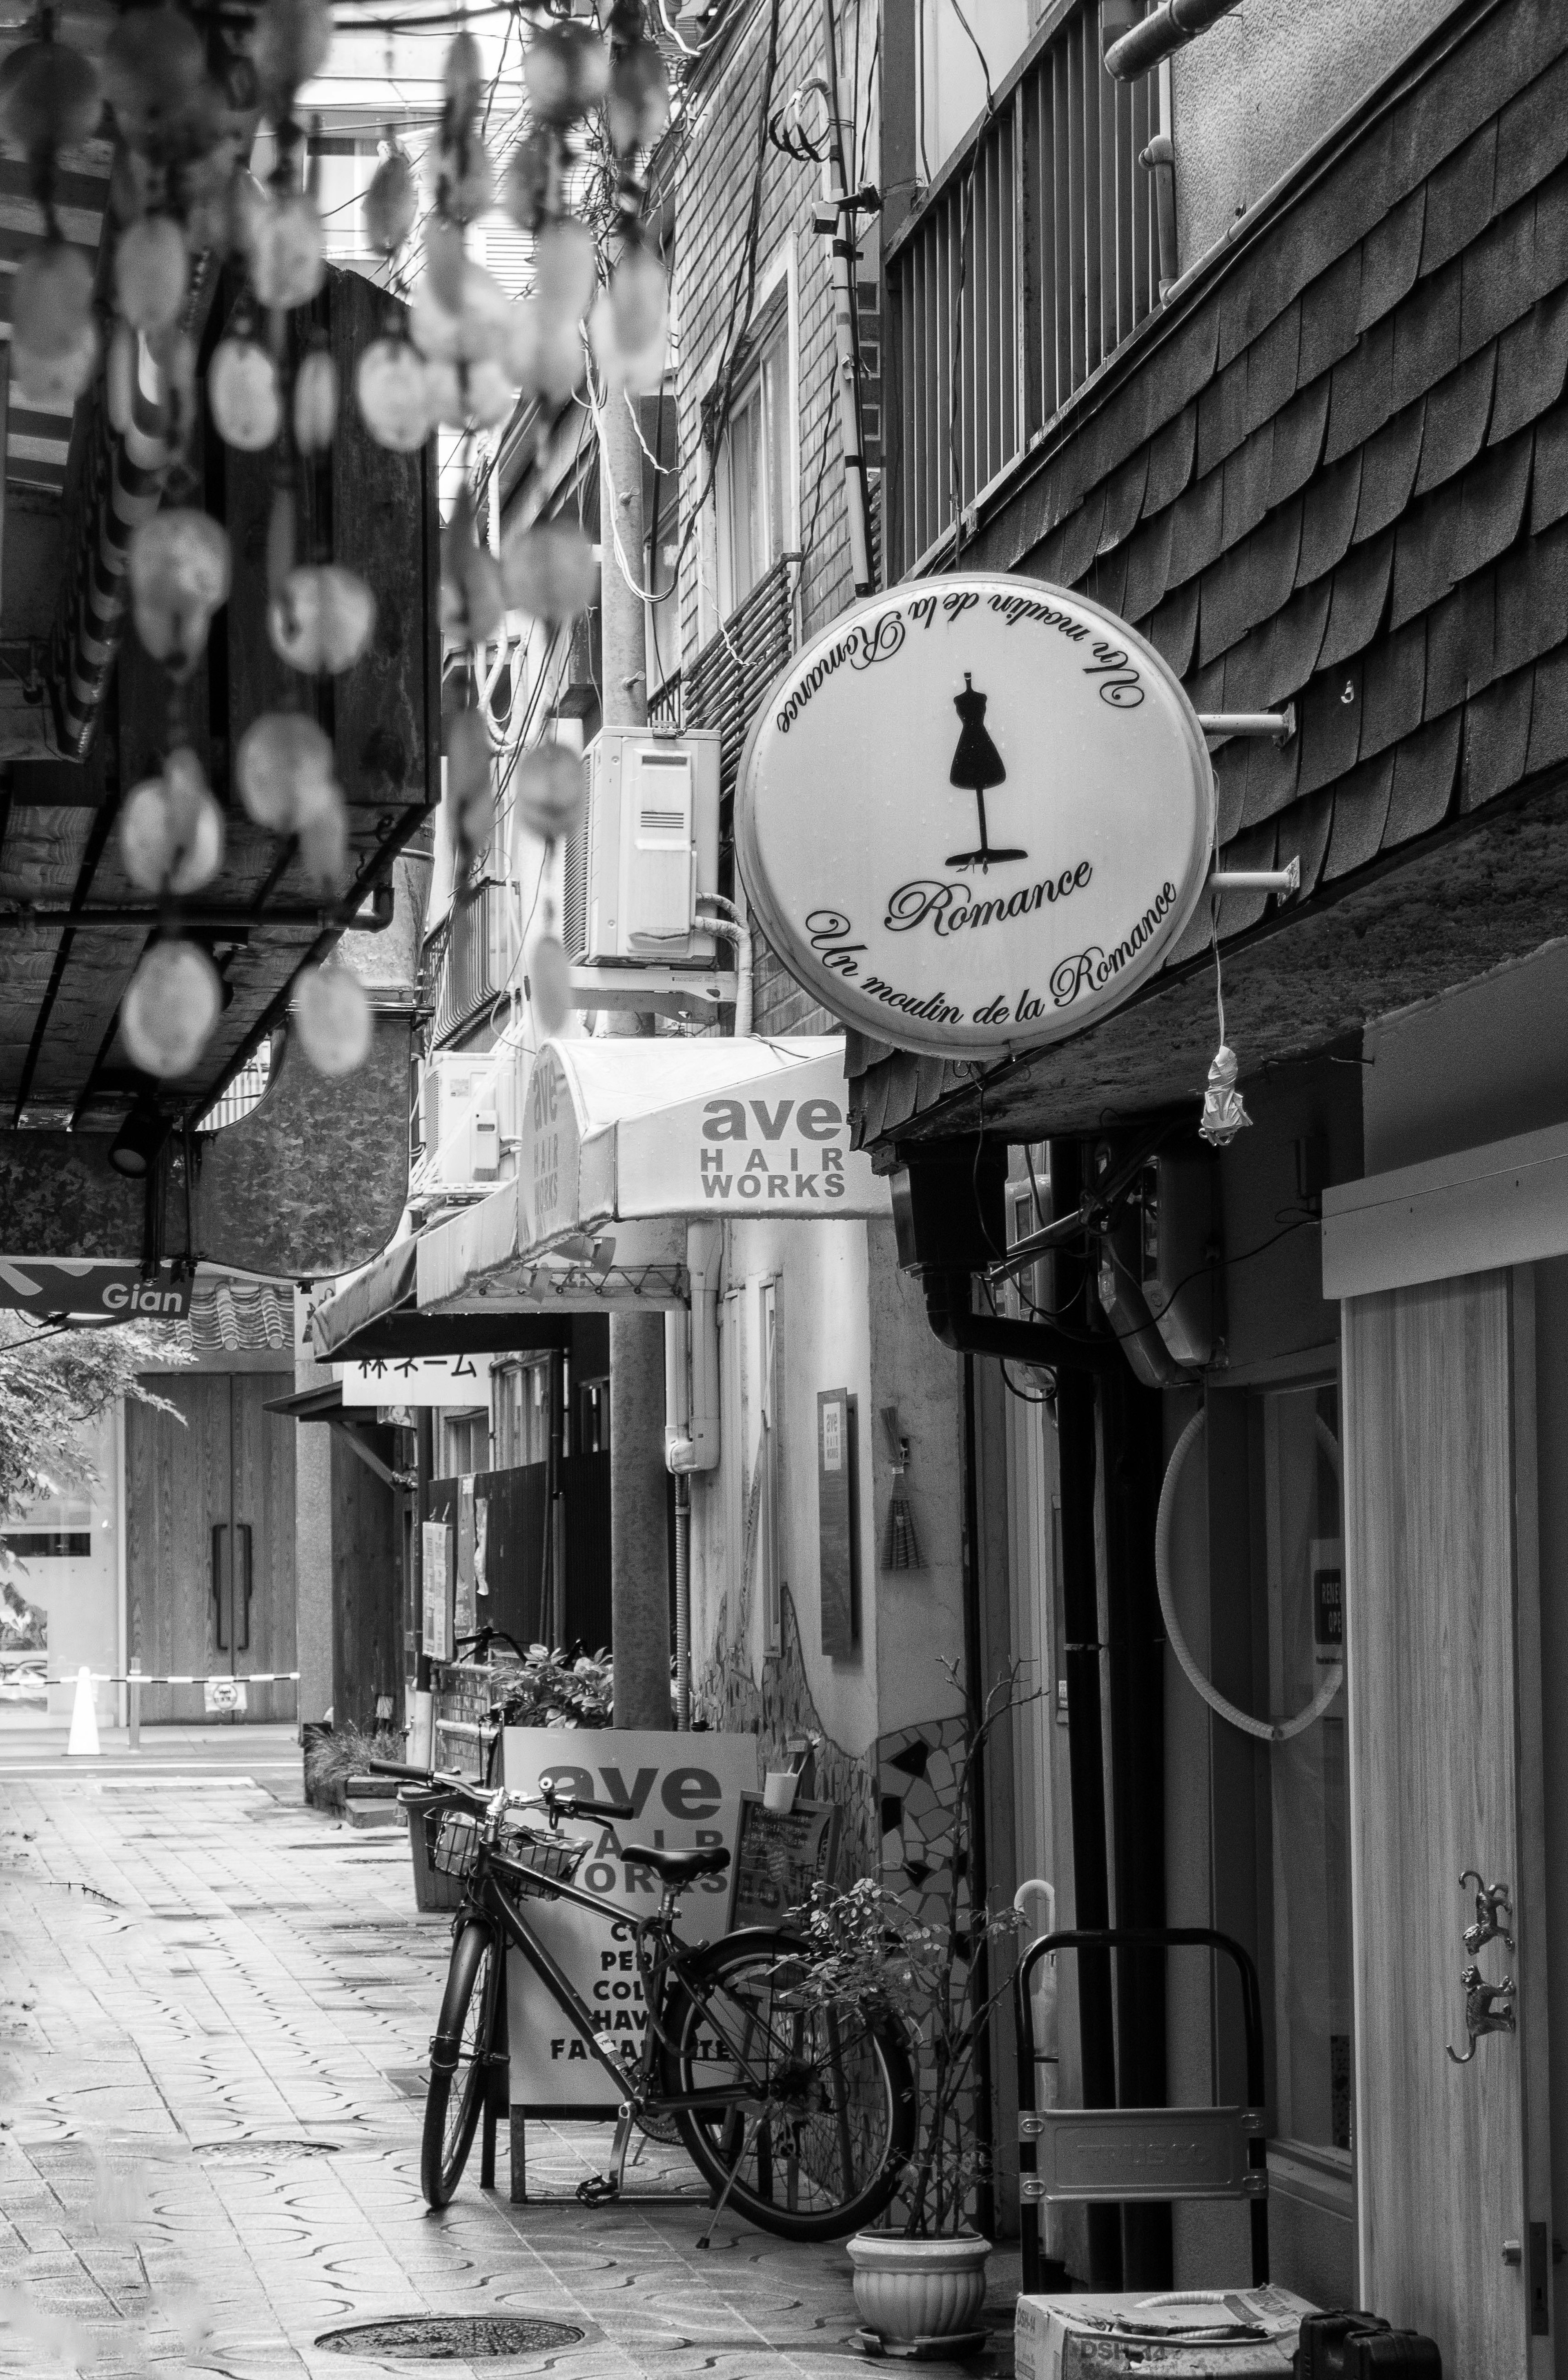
pixel 468 1109
pixel 646 846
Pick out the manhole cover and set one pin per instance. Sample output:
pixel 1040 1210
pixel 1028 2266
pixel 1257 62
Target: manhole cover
pixel 268 2152
pixel 452 2338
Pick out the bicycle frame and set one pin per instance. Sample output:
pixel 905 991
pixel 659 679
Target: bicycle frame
pixel 488 1896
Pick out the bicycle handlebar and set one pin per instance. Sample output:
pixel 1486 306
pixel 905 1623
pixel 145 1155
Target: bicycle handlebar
pixel 577 1808
pixel 571 1805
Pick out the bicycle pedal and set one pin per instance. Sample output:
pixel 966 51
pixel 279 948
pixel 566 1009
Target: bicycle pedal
pixel 598 2190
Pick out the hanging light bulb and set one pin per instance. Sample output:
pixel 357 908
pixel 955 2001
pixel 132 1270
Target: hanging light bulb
pixel 166 1017
pixel 322 620
pixel 287 770
pixel 178 565
pixel 549 790
pixel 389 387
pixel 549 572
pixel 332 1019
pixel 172 830
pixel 242 390
pixel 151 272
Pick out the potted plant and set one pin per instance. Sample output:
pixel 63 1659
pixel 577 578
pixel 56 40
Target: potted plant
pixel 922 2277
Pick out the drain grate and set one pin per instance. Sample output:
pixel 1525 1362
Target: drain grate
pixel 452 2338
pixel 267 2152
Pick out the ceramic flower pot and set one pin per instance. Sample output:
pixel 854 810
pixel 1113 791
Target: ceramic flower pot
pixel 919 2288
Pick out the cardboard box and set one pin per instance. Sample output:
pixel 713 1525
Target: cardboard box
pixel 1230 2335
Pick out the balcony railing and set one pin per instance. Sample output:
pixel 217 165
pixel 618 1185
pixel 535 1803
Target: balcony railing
pixel 1033 257
pixel 724 684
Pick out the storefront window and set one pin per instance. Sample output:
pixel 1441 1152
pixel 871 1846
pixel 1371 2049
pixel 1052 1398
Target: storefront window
pixel 1308 1773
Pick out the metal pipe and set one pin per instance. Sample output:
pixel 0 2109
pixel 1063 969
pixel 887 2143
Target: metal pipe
pixel 846 339
pixel 1282 881
pixel 146 914
pixel 683 1601
pixel 730 926
pixel 1159 161
pixel 1164 30
pixel 949 1313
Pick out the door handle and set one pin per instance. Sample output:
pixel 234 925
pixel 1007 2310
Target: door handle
pixel 249 1577
pixel 218 1529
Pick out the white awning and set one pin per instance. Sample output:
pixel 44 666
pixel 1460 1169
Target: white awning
pixel 623 1142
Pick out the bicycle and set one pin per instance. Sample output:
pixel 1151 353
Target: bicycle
pixel 796 2107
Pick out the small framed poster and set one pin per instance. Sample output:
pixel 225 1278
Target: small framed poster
pixel 779 1857
pixel 838 1520
pixel 435 1546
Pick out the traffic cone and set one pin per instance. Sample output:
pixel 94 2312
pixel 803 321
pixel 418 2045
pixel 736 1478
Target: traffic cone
pixel 84 1720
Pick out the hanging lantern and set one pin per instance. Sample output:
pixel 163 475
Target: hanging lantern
pixel 172 830
pixel 315 403
pixel 549 790
pixel 166 1017
pixel 242 390
pixel 1224 1114
pixel 322 620
pixel 178 566
pixel 51 98
pixel 549 572
pixel 286 768
pixel 151 272
pixel 566 69
pixel 389 386
pixel 550 984
pixel 332 1019
pixel 391 202
pixel 287 254
pixel 289 46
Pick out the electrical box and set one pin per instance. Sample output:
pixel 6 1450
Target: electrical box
pixel 467 1115
pixel 646 846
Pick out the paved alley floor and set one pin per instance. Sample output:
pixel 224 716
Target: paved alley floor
pixel 214 2007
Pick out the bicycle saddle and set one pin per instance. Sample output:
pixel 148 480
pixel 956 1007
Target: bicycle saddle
pixel 677 1868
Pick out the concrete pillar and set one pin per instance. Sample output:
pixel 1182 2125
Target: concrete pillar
pixel 638 1547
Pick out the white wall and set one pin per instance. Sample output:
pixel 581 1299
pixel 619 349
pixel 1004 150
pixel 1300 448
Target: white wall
pixel 79 1593
pixel 1261 88
pixel 1480 1063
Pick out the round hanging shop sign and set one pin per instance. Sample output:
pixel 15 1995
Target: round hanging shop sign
pixel 973 814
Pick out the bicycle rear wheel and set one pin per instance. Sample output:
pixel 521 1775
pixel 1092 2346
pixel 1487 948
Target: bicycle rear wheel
pixel 459 2063
pixel 819 2153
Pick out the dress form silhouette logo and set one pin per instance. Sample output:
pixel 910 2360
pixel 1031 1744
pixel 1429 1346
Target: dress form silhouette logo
pixel 976 765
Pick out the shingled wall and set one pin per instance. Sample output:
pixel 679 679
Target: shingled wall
pixel 1335 471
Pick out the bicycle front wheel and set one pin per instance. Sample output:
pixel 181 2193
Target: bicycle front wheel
pixel 459 2062
pixel 830 2117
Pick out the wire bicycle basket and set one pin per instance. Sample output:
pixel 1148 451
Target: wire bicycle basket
pixel 533 1862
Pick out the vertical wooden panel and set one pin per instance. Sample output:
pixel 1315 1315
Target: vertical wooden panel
pixel 176 1492
pixel 366 1588
pixel 1431 1587
pixel 263 1504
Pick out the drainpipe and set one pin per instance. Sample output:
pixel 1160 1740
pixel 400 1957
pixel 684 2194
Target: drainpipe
pixel 1160 161
pixel 1164 30
pixel 691 1421
pixel 727 921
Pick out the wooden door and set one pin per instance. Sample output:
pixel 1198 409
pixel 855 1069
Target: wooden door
pixel 210 1540
pixel 1443 1624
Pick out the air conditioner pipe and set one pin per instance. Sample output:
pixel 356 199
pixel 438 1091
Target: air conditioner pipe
pixel 1164 30
pixel 683 1602
pixel 949 1312
pixel 725 919
pixel 691 1358
pixel 1159 161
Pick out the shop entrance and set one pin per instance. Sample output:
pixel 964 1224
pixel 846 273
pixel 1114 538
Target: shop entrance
pixel 210 1540
pixel 1443 1641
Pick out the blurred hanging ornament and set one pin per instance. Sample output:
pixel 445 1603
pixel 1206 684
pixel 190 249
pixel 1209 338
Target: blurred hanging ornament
pixel 242 389
pixel 468 333
pixel 566 69
pixel 287 255
pixel 289 47
pixel 332 1018
pixel 166 1017
pixel 629 328
pixel 549 572
pixel 178 566
pixel 174 352
pixel 526 187
pixel 389 386
pixel 324 845
pixel 119 378
pixel 322 620
pixel 315 403
pixel 463 76
pixel 544 352
pixel 565 269
pixel 471 602
pixel 468 791
pixel 151 272
pixel 51 98
pixel 550 984
pixel 464 179
pixel 287 770
pixel 1224 1114
pixel 638 108
pixel 155 75
pixel 549 790
pixel 392 201
pixel 172 830
pixel 482 393
pixel 52 383
pixel 52 300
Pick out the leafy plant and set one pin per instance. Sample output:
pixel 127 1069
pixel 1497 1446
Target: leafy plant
pixel 942 1981
pixel 53 1381
pixel 331 1760
pixel 557 1689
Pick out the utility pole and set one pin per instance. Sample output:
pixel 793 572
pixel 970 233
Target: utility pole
pixel 639 1579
